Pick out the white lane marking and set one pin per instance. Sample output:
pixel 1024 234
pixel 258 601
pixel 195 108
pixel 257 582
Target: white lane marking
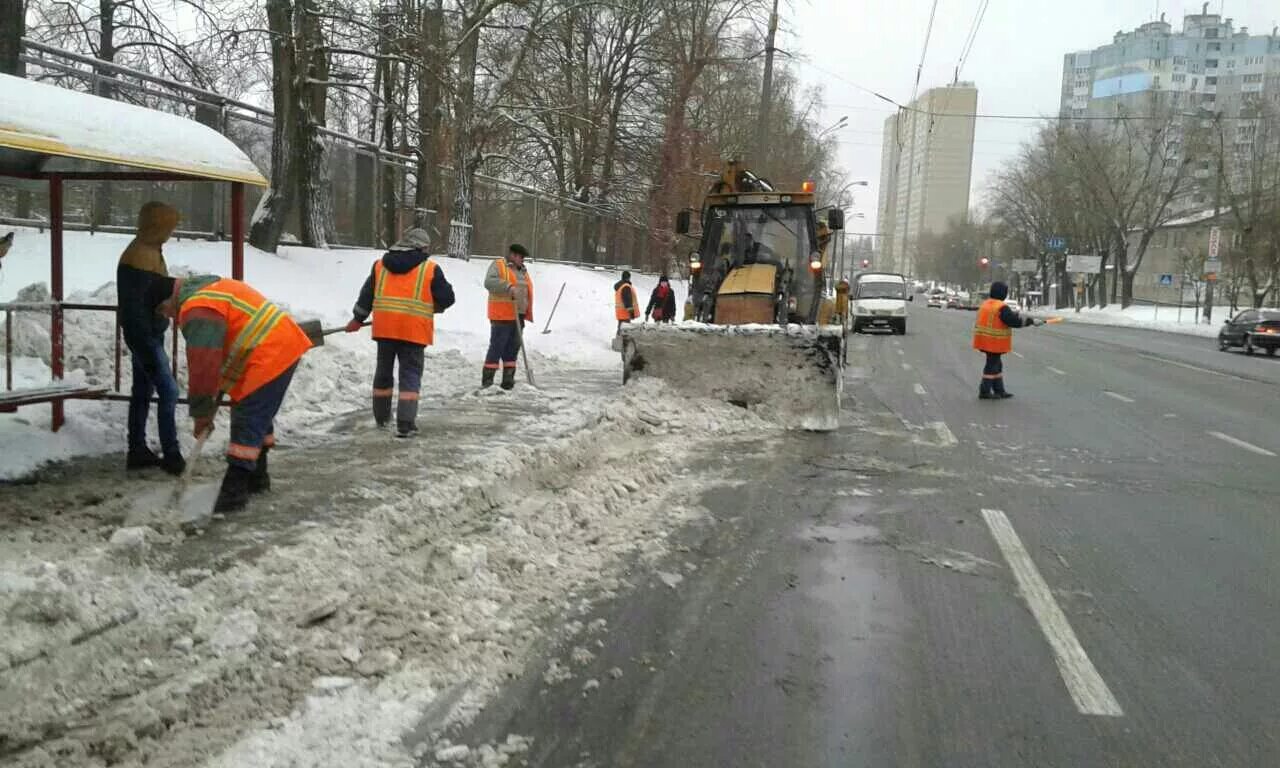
pixel 1190 367
pixel 1118 396
pixel 906 366
pixel 945 437
pixel 902 351
pixel 919 388
pixel 1241 444
pixel 1019 355
pixel 1087 688
pixel 1057 371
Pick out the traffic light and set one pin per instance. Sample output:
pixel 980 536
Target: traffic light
pixel 866 263
pixel 984 262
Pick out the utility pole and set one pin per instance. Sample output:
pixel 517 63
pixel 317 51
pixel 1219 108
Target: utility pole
pixel 766 90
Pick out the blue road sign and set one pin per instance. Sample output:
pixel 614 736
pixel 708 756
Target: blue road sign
pixel 1166 280
pixel 1056 243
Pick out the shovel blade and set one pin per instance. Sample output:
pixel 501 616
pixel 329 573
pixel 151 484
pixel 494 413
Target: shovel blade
pixel 314 331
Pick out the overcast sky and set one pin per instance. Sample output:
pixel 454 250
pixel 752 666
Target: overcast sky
pixel 1016 62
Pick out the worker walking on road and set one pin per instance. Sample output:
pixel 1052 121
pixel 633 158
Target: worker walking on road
pixel 241 345
pixel 625 306
pixel 510 301
pixel 142 264
pixel 993 336
pixel 404 291
pixel 662 302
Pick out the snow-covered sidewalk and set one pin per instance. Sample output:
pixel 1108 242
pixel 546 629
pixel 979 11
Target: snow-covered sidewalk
pixel 1152 318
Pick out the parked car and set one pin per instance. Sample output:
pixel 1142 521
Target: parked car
pixel 1252 329
pixel 955 302
pixel 937 299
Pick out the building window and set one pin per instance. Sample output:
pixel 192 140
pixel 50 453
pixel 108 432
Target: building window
pixel 1210 63
pixel 1179 78
pixel 1214 47
pixel 1211 33
pixel 1231 63
pixel 1252 78
pixel 1211 80
pixel 1179 61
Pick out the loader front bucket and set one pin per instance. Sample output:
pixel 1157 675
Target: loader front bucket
pixel 791 374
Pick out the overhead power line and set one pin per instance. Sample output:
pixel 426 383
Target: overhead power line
pixel 978 16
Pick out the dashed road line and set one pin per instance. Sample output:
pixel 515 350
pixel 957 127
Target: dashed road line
pixel 1056 370
pixel 1191 367
pixel 1087 688
pixel 1241 444
pixel 906 366
pixel 1118 396
pixel 902 351
pixel 920 390
pixel 1019 355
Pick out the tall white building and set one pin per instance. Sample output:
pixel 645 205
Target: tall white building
pixel 925 169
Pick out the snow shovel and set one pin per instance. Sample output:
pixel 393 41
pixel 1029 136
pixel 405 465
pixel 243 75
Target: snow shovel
pixel 316 332
pixel 547 328
pixel 524 354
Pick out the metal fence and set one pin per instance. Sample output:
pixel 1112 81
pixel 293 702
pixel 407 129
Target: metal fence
pixel 504 212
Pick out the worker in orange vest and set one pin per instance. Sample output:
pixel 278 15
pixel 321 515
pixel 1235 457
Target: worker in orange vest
pixel 404 291
pixel 510 301
pixel 241 345
pixel 625 306
pixel 993 336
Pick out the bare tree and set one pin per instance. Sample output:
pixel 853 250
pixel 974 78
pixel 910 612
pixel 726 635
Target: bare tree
pixel 1247 155
pixel 13 24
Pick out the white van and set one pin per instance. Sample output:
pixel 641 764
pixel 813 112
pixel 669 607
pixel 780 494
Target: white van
pixel 879 300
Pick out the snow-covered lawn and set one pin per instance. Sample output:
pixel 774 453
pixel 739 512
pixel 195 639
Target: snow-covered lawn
pixel 1162 318
pixel 311 284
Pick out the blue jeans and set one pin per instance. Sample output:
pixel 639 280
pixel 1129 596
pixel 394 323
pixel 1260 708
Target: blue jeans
pixel 504 344
pixel 151 375
pixel 252 420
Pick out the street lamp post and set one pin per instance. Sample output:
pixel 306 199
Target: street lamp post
pixel 837 125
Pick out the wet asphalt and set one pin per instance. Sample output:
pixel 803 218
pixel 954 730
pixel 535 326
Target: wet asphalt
pixel 1084 575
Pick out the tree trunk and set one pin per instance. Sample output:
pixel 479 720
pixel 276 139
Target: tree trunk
pixel 387 190
pixel 465 158
pixel 666 192
pixel 1102 282
pixel 104 86
pixel 310 72
pixel 274 207
pixel 426 199
pixel 13 23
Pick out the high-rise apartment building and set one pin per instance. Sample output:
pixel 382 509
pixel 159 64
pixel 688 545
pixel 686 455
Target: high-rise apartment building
pixel 1207 68
pixel 925 168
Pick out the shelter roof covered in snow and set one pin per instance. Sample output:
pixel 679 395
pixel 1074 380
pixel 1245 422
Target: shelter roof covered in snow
pixel 45 129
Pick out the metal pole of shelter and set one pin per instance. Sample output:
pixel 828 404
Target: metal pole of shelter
pixel 237 230
pixel 55 284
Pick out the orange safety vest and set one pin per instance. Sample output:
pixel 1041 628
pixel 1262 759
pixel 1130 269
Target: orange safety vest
pixel 261 340
pixel 501 305
pixel 990 334
pixel 403 309
pixel 620 310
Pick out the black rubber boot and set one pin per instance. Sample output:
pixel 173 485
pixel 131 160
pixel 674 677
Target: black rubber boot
pixel 174 464
pixel 234 493
pixel 486 377
pixel 406 429
pixel 259 480
pixel 142 458
pixel 508 377
pixel 382 409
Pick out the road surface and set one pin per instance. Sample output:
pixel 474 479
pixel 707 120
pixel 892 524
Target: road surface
pixel 1085 575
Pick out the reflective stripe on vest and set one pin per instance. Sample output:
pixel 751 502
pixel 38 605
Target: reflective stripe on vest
pixel 990 334
pixel 403 308
pixel 262 340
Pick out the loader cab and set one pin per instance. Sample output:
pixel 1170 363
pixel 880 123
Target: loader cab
pixel 755 261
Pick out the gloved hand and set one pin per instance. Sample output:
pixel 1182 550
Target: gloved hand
pixel 354 325
pixel 203 426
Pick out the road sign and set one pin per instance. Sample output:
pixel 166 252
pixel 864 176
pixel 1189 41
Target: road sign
pixel 1166 280
pixel 1056 243
pixel 1025 265
pixel 1215 235
pixel 1079 262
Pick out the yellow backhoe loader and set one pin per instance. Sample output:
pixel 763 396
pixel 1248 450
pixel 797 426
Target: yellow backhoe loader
pixel 758 336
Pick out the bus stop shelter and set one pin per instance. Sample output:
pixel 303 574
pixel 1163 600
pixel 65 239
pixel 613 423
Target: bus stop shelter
pixel 51 135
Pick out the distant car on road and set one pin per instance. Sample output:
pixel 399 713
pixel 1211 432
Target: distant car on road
pixel 955 302
pixel 1252 329
pixel 937 299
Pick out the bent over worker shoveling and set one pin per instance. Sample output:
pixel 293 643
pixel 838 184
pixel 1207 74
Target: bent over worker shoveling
pixel 240 344
pixel 993 336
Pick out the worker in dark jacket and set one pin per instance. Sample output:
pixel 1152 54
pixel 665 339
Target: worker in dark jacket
pixel 993 336
pixel 141 265
pixel 662 302
pixel 404 291
pixel 625 306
